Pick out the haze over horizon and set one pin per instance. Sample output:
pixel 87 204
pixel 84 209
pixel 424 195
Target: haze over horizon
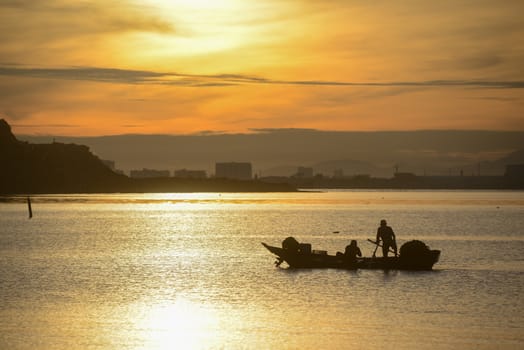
pixel 280 152
pixel 182 67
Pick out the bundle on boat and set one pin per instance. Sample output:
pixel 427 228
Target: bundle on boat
pixel 414 255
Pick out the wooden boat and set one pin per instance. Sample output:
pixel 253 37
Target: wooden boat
pixel 414 255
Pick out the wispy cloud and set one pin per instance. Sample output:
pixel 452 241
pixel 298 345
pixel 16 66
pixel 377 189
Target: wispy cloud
pixel 90 17
pixel 125 76
pixel 73 31
pixel 39 126
pixel 109 75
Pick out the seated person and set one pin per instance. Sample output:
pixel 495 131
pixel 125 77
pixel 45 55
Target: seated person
pixel 352 251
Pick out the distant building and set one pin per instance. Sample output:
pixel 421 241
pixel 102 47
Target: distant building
pixel 190 174
pixel 234 170
pixel 304 172
pixel 515 171
pixel 148 173
pixel 515 175
pixel 338 173
pixel 405 176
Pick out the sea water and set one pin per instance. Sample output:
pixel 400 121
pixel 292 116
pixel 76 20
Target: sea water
pixel 188 271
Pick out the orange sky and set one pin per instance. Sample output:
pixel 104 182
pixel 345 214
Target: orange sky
pixel 178 67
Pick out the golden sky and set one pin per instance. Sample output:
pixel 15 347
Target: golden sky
pixel 192 66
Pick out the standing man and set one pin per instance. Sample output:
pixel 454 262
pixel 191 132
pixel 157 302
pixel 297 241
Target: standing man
pixel 387 236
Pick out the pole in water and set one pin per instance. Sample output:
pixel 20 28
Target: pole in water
pixel 29 207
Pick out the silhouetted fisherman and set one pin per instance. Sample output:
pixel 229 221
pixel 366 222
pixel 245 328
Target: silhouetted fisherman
pixel 387 236
pixel 351 252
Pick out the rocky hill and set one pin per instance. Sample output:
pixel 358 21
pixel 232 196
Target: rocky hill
pixel 52 168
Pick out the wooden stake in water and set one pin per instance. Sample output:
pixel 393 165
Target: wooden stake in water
pixel 29 207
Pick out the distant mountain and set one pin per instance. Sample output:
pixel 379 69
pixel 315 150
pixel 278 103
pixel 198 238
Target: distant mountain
pixel 327 168
pixel 498 166
pixel 351 168
pixel 282 170
pixel 280 152
pixel 516 157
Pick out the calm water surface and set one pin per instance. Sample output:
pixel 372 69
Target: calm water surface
pixel 187 271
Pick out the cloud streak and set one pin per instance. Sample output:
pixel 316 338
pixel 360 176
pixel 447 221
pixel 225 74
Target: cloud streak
pixel 87 17
pixel 126 76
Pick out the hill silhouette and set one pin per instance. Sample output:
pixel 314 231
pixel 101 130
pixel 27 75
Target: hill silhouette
pixel 52 168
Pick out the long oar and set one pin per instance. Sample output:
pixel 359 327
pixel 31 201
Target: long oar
pixel 379 245
pixel 376 247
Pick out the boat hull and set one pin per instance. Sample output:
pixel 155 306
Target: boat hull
pixel 311 260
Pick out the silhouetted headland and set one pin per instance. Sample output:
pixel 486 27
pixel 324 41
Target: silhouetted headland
pixel 70 168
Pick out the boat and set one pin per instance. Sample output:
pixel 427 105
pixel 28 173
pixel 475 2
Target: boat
pixel 414 255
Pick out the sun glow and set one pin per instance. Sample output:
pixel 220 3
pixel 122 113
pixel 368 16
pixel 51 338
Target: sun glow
pixel 180 324
pixel 201 4
pixel 212 31
pixel 200 26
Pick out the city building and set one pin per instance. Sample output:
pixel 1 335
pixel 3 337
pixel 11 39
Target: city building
pixel 304 172
pixel 148 173
pixel 234 170
pixel 338 173
pixel 404 176
pixel 190 174
pixel 515 175
pixel 515 171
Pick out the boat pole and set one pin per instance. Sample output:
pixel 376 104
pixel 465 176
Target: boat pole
pixel 377 243
pixel 376 247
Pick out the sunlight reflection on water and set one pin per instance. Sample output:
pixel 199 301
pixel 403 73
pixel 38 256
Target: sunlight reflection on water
pixel 178 323
pixel 320 197
pixel 156 271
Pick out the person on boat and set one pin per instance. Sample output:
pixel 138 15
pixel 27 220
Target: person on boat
pixel 352 251
pixel 387 236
